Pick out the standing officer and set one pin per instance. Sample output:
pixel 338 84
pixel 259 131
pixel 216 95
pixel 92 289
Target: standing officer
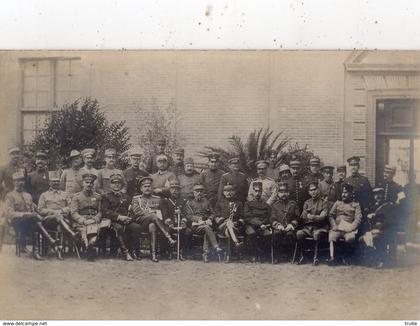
pixel 71 178
pixel 86 214
pixel 393 192
pixel 210 178
pixel 38 179
pixel 178 166
pixel 88 155
pixel 151 163
pixel 23 217
pixel 189 179
pixel 284 218
pixel 327 187
pixel 284 173
pixel 314 174
pixel 295 183
pixel 162 177
pixel 54 207
pixel 235 178
pixel 199 214
pixel 115 204
pixel 104 182
pixel 6 172
pixel 268 183
pixel 257 223
pixel 272 170
pixel 314 220
pixel 147 210
pixel 341 176
pixel 134 173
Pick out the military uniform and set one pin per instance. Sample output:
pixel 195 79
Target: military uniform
pixel 362 190
pixel 161 179
pixel 315 226
pixel 296 190
pixel 37 183
pixel 6 180
pixel 338 188
pixel 328 192
pixel 229 211
pixel 238 180
pixel 103 180
pixel 284 213
pixel 177 169
pixel 210 179
pixel 347 217
pixel 151 163
pixel 132 177
pixel 268 187
pixel 187 183
pixel 71 181
pixel 273 172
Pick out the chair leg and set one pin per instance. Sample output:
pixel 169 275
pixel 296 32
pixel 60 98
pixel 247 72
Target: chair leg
pixel 294 253
pixel 17 243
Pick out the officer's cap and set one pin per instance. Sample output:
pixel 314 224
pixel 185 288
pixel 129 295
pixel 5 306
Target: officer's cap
pixel 87 176
pixel 354 160
pixel 136 151
pixel 74 153
pixel 257 185
pixel 18 175
pixel 283 185
pixel 295 163
pixel 179 151
pixel 161 141
pixel 110 152
pixel 88 152
pixel 189 160
pixel 115 177
pixel 13 149
pixel 315 161
pixel 53 176
pixel 228 186
pixel 261 164
pixel 233 160
pixel 213 156
pixel 174 184
pixel 327 168
pixel 390 169
pixel 161 157
pixel 41 154
pixel 378 190
pixel 198 186
pixel 145 180
pixel 313 183
pixel 283 168
pixel 342 168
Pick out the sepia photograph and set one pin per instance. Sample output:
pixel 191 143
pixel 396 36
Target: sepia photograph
pixel 210 184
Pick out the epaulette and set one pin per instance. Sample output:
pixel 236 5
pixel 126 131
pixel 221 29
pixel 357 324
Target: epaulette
pixel 154 196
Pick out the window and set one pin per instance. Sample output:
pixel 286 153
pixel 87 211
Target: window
pixel 47 84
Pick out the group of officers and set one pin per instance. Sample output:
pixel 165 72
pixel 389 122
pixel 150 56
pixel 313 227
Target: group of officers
pixel 167 200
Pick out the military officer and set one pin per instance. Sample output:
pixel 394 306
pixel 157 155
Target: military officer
pixel 268 183
pixel 38 180
pixel 86 214
pixel 257 223
pixel 71 178
pixel 199 214
pixel 229 215
pixel 88 156
pixel 327 187
pixel 284 218
pixel 341 176
pixel 54 207
pixel 104 182
pixel 22 215
pixel 151 163
pixel 393 192
pixel 345 217
pixel 6 172
pixel 147 210
pixel 284 173
pixel 188 179
pixel 162 177
pixel 134 173
pixel 115 205
pixel 314 173
pixel 210 178
pixel 235 178
pixel 272 170
pixel 313 220
pixel 295 183
pixel 178 167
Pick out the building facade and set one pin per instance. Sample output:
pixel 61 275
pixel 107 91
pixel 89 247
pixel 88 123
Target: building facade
pixel 340 103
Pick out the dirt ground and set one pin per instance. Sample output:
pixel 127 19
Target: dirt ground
pixel 114 289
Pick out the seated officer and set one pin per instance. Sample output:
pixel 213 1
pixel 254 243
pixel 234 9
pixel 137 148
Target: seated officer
pixel 199 214
pixel 268 183
pixel 54 207
pixel 22 215
pixel 228 212
pixel 188 179
pixel 345 217
pixel 257 223
pixel 380 219
pixel 314 221
pixel 284 218
pixel 86 214
pixel 148 216
pixel 114 206
pixel 172 209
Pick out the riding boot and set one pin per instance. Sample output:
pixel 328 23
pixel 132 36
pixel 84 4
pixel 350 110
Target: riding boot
pixel 35 247
pixel 153 247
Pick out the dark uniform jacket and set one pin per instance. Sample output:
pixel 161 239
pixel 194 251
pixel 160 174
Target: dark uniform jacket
pixel 223 209
pixel 317 207
pixel 18 203
pixel 383 218
pixel 132 177
pixel 85 206
pixel 237 179
pixel 284 213
pixel 151 164
pixel 169 205
pixel 177 169
pixel 339 188
pixel 197 211
pixel 187 183
pixel 297 190
pixel 362 190
pixel 328 191
pixel 6 180
pixel 392 189
pixel 37 183
pixel 144 206
pixel 257 213
pixel 114 204
pixel 211 181
pixel 312 177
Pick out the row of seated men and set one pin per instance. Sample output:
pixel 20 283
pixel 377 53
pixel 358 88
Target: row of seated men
pixel 90 214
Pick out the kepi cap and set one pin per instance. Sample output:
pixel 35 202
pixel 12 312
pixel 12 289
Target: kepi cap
pixel 179 151
pixel 88 152
pixel 161 157
pixel 327 168
pixel 198 186
pixel 115 177
pixel 341 168
pixel 315 161
pixel 378 190
pixel 354 160
pixel 189 160
pixel 389 168
pixel 283 168
pixel 88 176
pixel 110 152
pixel 145 180
pixel 233 160
pixel 13 149
pixel 261 164
pixel 41 154
pixel 74 153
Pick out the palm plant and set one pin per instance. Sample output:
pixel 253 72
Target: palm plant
pixel 258 146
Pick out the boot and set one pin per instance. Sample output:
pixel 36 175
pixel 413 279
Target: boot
pixel 91 253
pixel 35 248
pixel 153 247
pixel 206 257
pixel 58 254
pixel 127 256
pixel 154 257
pixel 135 254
